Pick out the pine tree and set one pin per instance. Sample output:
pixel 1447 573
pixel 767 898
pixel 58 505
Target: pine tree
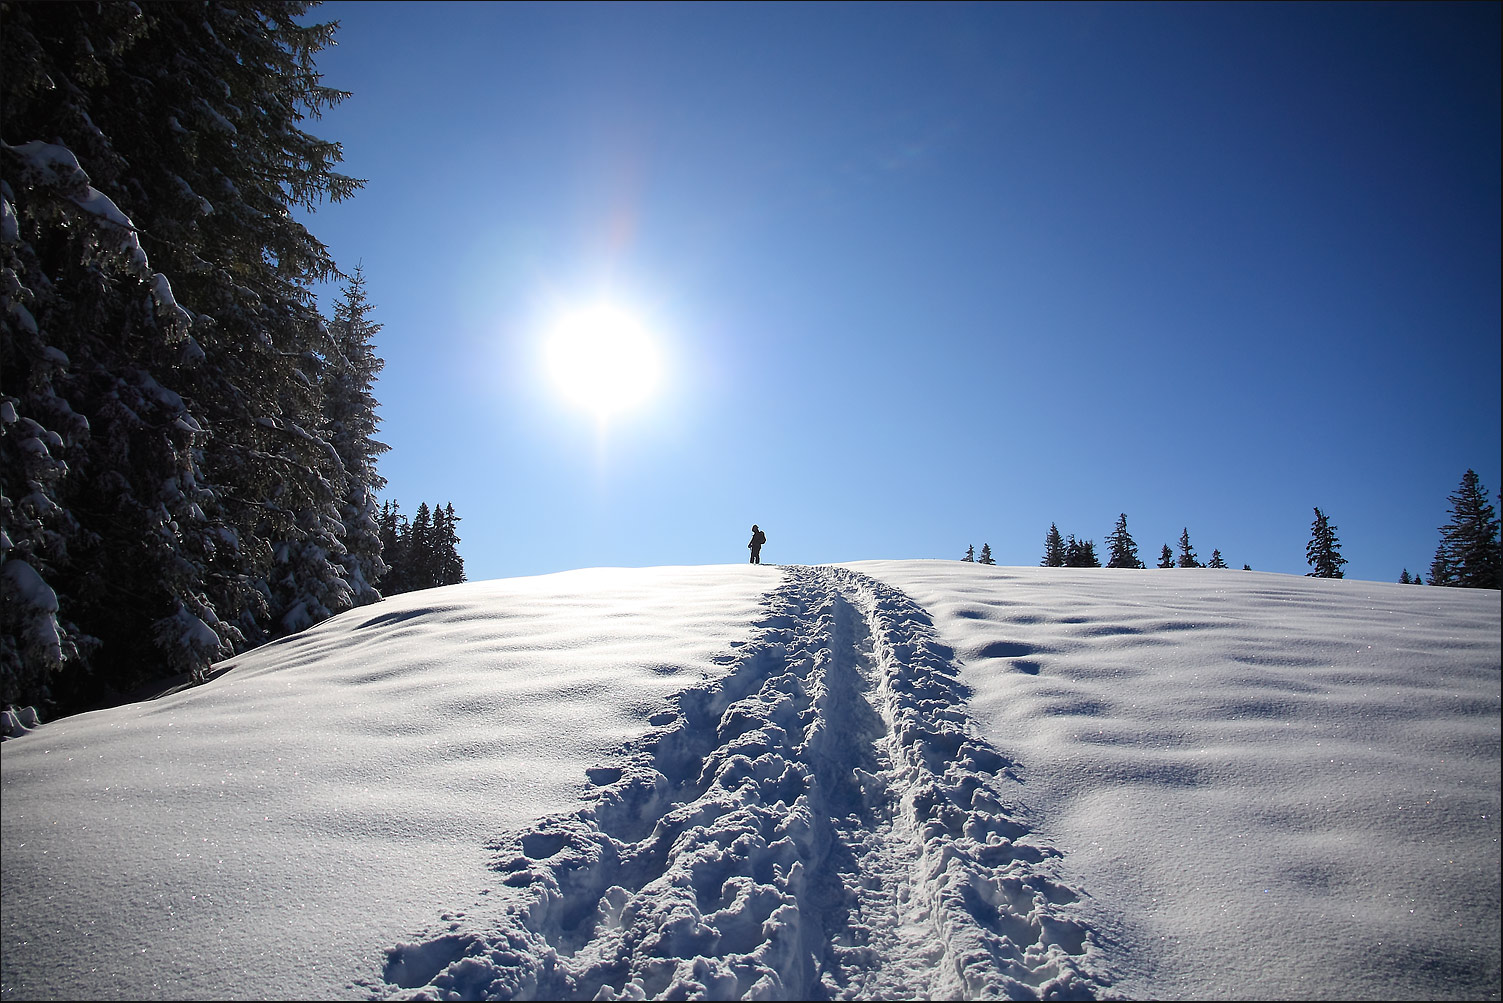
pixel 1166 557
pixel 350 416
pixel 1468 555
pixel 422 561
pixel 1187 558
pixel 986 554
pixel 1216 561
pixel 1323 552
pixel 1417 579
pixel 970 553
pixel 1054 549
pixel 450 564
pixel 394 533
pixel 1124 552
pixel 1404 578
pixel 1440 567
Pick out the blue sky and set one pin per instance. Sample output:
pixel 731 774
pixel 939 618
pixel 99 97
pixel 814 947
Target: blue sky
pixel 926 276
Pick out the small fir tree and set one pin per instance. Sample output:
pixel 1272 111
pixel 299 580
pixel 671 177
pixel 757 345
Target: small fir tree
pixel 970 554
pixel 1216 561
pixel 1054 549
pixel 1166 557
pixel 1187 558
pixel 1124 552
pixel 1440 568
pixel 1323 552
pixel 986 554
pixel 1404 578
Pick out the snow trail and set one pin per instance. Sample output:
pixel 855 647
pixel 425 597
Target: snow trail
pixel 822 822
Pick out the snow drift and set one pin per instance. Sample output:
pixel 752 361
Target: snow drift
pixel 884 780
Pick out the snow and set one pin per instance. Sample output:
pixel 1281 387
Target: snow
pixel 889 779
pixel 26 585
pixel 167 304
pixel 57 165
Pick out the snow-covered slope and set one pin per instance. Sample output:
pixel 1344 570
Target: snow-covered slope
pixel 892 779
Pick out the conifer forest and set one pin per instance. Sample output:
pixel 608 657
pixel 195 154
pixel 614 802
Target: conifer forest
pixel 187 446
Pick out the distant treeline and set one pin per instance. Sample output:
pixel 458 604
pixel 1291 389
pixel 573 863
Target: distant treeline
pixel 1468 555
pixel 422 553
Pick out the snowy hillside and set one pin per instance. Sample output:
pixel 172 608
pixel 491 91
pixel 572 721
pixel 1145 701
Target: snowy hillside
pixel 883 780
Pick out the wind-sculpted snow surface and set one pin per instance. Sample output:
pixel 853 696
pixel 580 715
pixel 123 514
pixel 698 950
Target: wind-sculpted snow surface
pixel 822 822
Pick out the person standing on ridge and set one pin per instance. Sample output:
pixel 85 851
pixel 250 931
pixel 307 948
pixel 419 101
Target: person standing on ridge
pixel 758 538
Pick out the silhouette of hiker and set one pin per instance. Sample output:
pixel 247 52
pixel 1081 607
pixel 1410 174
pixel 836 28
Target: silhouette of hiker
pixel 758 538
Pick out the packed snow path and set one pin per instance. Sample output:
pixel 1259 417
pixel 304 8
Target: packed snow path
pixel 822 822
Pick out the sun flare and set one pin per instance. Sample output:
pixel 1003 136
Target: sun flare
pixel 602 359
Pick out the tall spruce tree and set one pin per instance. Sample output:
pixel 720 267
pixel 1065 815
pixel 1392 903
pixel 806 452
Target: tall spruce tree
pixel 1187 558
pixel 986 555
pixel 1468 555
pixel 1123 552
pixel 160 339
pixel 1323 552
pixel 1166 557
pixel 1054 549
pixel 350 415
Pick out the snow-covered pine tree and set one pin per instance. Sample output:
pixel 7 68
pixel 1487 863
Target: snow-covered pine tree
pixel 1187 558
pixel 986 555
pixel 1468 555
pixel 159 155
pixel 970 553
pixel 350 416
pixel 1166 557
pixel 1323 552
pixel 1216 561
pixel 1124 551
pixel 1054 549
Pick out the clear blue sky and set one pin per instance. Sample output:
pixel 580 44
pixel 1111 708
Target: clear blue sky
pixel 928 276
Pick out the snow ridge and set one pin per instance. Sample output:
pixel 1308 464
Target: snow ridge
pixel 823 822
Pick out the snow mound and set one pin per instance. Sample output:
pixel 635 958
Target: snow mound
pixel 896 779
pixel 823 822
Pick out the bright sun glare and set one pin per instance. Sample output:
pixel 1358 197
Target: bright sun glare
pixel 602 359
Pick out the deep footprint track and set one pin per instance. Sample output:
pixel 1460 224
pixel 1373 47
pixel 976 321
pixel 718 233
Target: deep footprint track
pixel 822 822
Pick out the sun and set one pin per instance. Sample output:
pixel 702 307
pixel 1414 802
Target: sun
pixel 603 359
